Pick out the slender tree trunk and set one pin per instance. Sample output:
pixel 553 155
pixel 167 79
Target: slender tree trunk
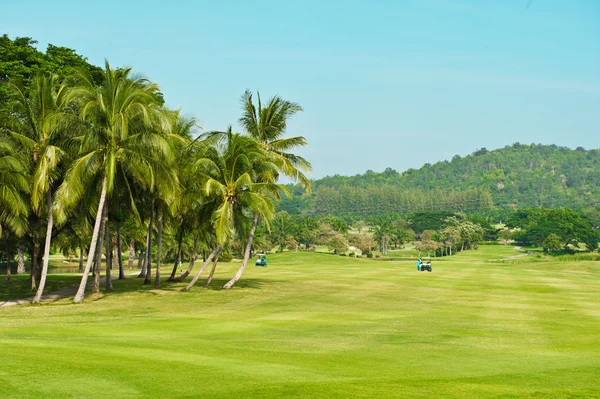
pixel 20 261
pixel 98 265
pixel 192 261
pixel 214 253
pixel 107 243
pixel 178 255
pixel 38 295
pixel 140 260
pixel 81 291
pixel 80 258
pixel 35 256
pixel 238 275
pixel 159 222
pixel 119 253
pixel 212 272
pixel 148 261
pixel 131 254
pixel 115 254
pixel 8 259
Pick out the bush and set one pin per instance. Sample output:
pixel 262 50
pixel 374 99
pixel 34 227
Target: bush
pixel 352 254
pixel 378 256
pixel 343 254
pixel 369 255
pixel 226 257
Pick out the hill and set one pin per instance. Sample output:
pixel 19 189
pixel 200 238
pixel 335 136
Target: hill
pixel 516 176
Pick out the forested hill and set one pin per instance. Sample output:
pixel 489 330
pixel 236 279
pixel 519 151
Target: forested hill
pixel 516 176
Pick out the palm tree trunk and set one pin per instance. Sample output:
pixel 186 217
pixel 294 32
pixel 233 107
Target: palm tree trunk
pixel 119 253
pixel 159 249
pixel 107 243
pixel 238 275
pixel 8 271
pixel 35 261
pixel 177 256
pixel 148 261
pixel 20 261
pixel 81 291
pixel 80 258
pixel 214 253
pixel 212 272
pixel 98 264
pixel 131 254
pixel 192 261
pixel 38 295
pixel 140 260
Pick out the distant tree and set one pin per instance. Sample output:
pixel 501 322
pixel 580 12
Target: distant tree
pixel 552 243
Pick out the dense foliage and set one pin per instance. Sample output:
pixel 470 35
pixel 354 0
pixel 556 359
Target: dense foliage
pixel 91 159
pixel 488 182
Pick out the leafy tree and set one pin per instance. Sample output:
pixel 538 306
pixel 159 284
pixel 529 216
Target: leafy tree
pixel 552 243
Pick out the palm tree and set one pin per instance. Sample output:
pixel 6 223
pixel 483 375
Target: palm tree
pixel 37 122
pixel 14 188
pixel 268 125
pixel 230 170
pixel 122 114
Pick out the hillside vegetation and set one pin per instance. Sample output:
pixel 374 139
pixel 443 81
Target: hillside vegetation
pixel 516 176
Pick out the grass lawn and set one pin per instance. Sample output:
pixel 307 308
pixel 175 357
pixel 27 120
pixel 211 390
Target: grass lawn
pixel 321 326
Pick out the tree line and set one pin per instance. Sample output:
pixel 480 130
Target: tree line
pixel 91 158
pixel 518 176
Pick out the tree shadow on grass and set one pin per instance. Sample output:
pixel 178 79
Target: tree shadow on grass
pixel 135 285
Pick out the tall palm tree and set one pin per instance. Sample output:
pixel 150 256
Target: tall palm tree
pixel 121 139
pixel 231 185
pixel 37 122
pixel 268 126
pixel 14 187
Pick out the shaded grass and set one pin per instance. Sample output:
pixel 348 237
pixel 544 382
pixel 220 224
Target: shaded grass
pixel 317 325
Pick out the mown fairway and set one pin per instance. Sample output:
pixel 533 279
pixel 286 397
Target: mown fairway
pixel 317 325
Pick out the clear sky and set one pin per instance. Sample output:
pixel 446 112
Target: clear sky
pixel 383 83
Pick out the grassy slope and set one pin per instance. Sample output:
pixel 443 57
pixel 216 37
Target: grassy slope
pixel 317 325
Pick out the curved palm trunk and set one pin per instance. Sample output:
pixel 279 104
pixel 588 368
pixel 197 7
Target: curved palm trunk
pixel 107 243
pixel 214 253
pixel 148 277
pixel 140 260
pixel 159 222
pixel 20 261
pixel 238 275
pixel 212 273
pixel 119 253
pixel 177 256
pixel 38 295
pixel 131 254
pixel 81 291
pixel 192 261
pixel 98 260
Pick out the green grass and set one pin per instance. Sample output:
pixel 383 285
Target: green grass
pixel 321 326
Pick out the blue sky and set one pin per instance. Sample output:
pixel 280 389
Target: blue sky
pixel 382 83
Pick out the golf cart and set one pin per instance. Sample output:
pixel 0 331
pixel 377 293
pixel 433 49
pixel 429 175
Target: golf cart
pixel 425 266
pixel 262 262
